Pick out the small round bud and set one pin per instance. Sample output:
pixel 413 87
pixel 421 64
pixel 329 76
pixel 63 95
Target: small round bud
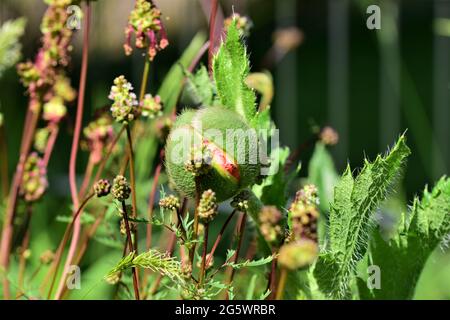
pixel 121 189
pixel 329 136
pixel 208 208
pixel 170 202
pixel 102 188
pixel 298 254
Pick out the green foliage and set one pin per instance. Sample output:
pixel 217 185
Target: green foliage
pixel 247 263
pixel 198 89
pixel 171 87
pixel 322 173
pixel 402 258
pixel 231 67
pixel 10 47
pixel 273 189
pixel 152 260
pixel 351 219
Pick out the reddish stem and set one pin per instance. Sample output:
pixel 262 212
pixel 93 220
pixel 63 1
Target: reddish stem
pixel 27 139
pixel 212 24
pixel 219 237
pixel 54 129
pixel 75 143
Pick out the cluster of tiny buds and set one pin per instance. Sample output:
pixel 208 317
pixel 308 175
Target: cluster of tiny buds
pixel 240 202
pixel 124 108
pixel 54 110
pixel 304 214
pixel 151 106
pixel 34 180
pixel 270 218
pixel 145 22
pixel 102 188
pixel 208 207
pixel 121 189
pixel 307 195
pixel 170 202
pixel 329 136
pixel 123 227
pixel 199 163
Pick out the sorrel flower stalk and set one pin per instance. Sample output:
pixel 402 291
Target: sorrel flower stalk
pixel 39 77
pixel 146 25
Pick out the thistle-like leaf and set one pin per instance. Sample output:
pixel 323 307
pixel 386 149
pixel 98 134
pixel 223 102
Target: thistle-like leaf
pixel 230 68
pixel 351 219
pixel 402 258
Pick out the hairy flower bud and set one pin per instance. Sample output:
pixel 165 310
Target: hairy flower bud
pixel 208 208
pixel 235 162
pixel 121 189
pixel 304 214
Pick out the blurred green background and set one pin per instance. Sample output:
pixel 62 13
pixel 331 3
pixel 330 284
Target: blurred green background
pixel 371 85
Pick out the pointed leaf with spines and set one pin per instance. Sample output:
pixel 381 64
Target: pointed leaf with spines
pixel 230 69
pixel 403 257
pixel 351 219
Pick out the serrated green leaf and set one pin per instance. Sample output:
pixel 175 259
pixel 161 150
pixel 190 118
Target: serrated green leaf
pixel 402 258
pixel 351 219
pixel 230 68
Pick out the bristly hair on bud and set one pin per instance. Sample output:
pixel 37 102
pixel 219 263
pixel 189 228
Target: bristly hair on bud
pixel 121 189
pixel 124 108
pixel 170 202
pixel 146 24
pixel 208 208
